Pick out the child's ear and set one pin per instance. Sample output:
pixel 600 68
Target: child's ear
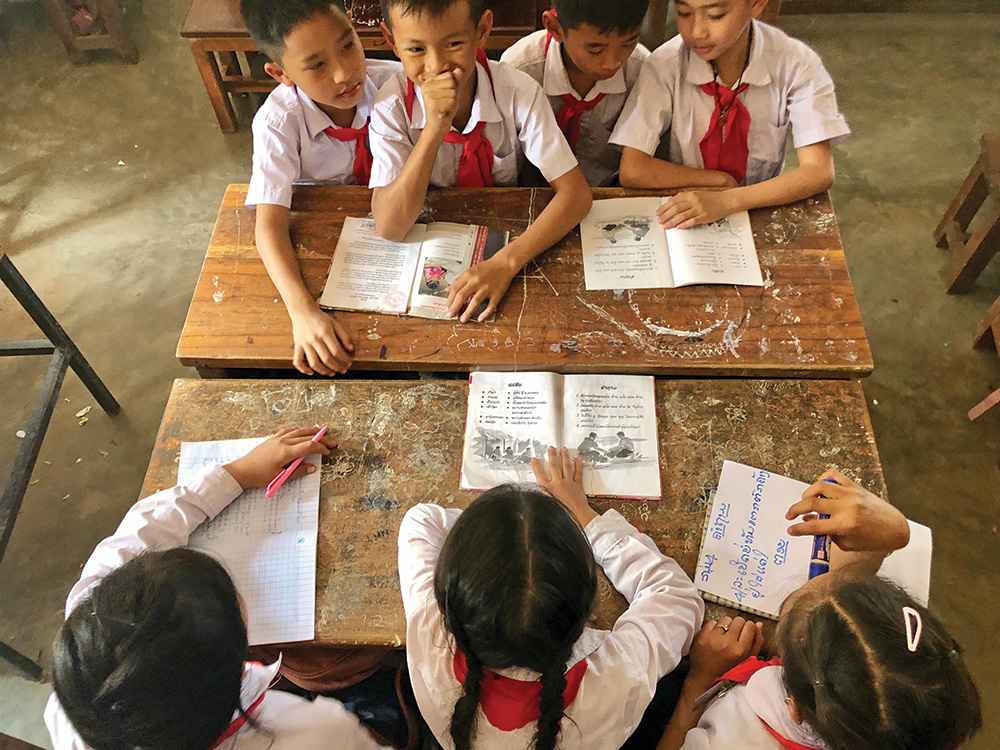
pixel 387 35
pixel 278 73
pixel 758 7
pixel 484 28
pixel 552 25
pixel 793 709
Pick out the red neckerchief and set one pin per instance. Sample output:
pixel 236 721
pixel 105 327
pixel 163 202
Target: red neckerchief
pixel 475 166
pixel 362 150
pixel 510 704
pixel 236 724
pixel 742 673
pixel 570 115
pixel 724 147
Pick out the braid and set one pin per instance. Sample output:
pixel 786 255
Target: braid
pixel 551 703
pixel 463 720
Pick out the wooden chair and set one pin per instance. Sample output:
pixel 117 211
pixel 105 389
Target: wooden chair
pixel 989 329
pixel 109 14
pixel 971 253
pixel 11 743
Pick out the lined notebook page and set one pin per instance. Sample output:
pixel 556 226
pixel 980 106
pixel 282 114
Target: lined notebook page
pixel 268 546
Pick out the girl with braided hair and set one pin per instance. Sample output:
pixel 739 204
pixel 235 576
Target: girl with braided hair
pixel 497 600
pixel 860 664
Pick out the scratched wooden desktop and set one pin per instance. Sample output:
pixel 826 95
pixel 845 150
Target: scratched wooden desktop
pixel 804 322
pixel 401 444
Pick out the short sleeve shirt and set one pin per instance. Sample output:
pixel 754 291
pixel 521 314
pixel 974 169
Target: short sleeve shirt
pixel 289 144
pixel 519 125
pixel 667 114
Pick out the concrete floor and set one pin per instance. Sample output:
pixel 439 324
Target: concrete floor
pixel 114 250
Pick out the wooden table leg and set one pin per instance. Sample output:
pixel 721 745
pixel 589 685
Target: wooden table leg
pixel 57 15
pixel 204 58
pixel 212 373
pixel 110 12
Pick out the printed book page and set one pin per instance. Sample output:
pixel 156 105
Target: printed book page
pixel 370 273
pixel 609 421
pixel 910 567
pixel 512 417
pixel 747 558
pixel 268 546
pixel 722 252
pixel 624 247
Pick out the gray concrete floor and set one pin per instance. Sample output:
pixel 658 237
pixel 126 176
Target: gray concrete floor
pixel 114 250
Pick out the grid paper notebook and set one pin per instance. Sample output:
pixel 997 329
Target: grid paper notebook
pixel 268 546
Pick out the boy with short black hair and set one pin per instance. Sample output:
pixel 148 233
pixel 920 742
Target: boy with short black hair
pixel 586 59
pixel 721 96
pixel 455 118
pixel 312 128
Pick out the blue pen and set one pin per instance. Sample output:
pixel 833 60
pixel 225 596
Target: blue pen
pixel 819 561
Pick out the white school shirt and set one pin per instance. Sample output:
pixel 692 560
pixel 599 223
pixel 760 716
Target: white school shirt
pixel 733 721
pixel 289 144
pixel 598 159
pixel 624 664
pixel 519 124
pixel 166 520
pixel 789 87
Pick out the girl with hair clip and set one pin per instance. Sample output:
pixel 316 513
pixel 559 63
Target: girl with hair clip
pixel 497 601
pixel 152 652
pixel 860 664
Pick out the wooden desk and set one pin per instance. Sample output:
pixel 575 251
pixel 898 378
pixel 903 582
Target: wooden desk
pixel 219 38
pixel 804 323
pixel 401 444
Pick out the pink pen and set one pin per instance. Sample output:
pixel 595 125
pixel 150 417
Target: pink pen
pixel 279 480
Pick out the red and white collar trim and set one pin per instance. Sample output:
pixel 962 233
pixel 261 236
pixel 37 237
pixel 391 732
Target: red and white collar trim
pixel 257 678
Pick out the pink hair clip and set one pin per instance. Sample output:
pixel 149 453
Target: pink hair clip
pixel 914 627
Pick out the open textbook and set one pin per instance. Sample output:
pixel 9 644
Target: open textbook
pixel 624 247
pixel 267 545
pixel 607 420
pixel 372 274
pixel 749 561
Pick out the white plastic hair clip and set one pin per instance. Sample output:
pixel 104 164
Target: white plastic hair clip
pixel 914 627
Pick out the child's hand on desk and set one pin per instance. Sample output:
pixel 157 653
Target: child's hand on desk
pixel 440 97
pixel 486 280
pixel 859 521
pixel 720 646
pixel 565 484
pixel 694 207
pixel 258 467
pixel 321 343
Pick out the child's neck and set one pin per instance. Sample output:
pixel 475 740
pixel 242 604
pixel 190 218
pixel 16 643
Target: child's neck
pixel 342 118
pixel 730 64
pixel 580 81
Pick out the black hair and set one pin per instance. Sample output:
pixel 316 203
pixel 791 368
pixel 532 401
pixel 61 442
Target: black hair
pixel 624 16
pixel 271 21
pixel 435 8
pixel 855 681
pixel 153 657
pixel 516 581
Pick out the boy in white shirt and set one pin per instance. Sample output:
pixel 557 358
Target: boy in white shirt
pixel 722 95
pixel 586 59
pixel 312 128
pixel 456 118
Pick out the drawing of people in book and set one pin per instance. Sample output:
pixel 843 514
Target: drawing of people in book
pixel 590 450
pixel 437 275
pixel 721 226
pixel 620 450
pixel 499 448
pixel 625 447
pixel 637 225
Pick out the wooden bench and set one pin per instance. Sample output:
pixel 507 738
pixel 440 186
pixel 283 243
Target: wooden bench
pixel 401 444
pixel 220 44
pixel 804 322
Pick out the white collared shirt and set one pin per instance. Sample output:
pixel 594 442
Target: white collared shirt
pixel 789 87
pixel 598 159
pixel 733 721
pixel 624 664
pixel 166 520
pixel 289 144
pixel 519 124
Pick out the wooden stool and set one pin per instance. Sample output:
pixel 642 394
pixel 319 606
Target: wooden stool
pixel 989 329
pixel 970 254
pixel 109 14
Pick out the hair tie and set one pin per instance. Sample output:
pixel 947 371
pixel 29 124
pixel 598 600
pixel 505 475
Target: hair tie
pixel 914 628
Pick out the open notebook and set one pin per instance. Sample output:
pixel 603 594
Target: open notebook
pixel 268 546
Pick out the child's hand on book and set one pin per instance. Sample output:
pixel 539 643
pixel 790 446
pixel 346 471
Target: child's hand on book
pixel 858 520
pixel 564 481
pixel 720 646
pixel 440 97
pixel 484 281
pixel 693 207
pixel 321 343
pixel 258 467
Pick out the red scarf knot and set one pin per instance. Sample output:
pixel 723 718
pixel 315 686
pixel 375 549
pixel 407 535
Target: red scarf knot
pixel 724 147
pixel 362 150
